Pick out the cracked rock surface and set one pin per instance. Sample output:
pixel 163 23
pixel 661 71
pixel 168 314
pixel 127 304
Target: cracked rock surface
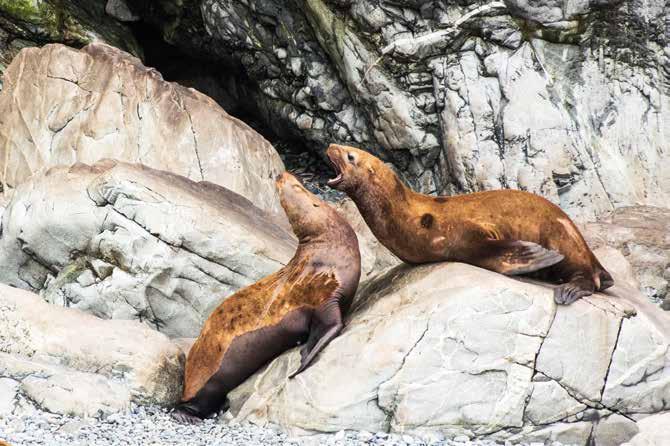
pixel 125 241
pixel 100 102
pixel 565 99
pixel 450 349
pixel 64 361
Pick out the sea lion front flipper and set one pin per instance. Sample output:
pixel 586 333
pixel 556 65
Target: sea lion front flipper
pixel 513 257
pixel 326 325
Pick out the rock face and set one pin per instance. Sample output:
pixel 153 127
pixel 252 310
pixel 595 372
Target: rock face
pixel 566 99
pixel 64 361
pixel 100 102
pixel 125 241
pixel 449 349
pixel 642 234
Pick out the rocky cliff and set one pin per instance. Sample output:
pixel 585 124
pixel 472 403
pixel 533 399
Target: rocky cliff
pixel 567 99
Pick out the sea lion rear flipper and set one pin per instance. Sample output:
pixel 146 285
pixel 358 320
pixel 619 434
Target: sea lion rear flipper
pixel 573 290
pixel 326 325
pixel 513 257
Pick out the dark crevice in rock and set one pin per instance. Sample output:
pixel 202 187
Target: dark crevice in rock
pixel 609 366
pixel 227 82
pixel 391 412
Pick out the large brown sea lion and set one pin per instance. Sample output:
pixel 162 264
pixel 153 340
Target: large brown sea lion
pixel 303 302
pixel 508 231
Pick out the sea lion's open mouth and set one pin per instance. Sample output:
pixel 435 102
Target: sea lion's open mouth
pixel 339 178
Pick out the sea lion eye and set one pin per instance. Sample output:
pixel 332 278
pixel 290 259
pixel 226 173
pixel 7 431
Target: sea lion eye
pixel 350 156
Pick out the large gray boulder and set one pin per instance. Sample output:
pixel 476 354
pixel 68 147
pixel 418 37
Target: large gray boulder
pixel 65 361
pixel 100 102
pixel 450 349
pixel 564 98
pixel 125 241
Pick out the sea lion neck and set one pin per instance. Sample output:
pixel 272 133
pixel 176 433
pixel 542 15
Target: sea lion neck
pixel 377 200
pixel 335 232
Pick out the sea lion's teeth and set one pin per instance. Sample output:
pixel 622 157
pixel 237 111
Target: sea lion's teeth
pixel 335 180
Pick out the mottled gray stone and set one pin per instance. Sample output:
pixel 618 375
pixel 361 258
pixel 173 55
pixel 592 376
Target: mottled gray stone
pixel 642 234
pixel 653 431
pixel 549 402
pixel 123 241
pixel 565 99
pixel 615 429
pixel 120 11
pixel 448 349
pixel 8 392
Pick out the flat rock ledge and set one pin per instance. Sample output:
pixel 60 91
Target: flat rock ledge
pixel 447 350
pixel 65 361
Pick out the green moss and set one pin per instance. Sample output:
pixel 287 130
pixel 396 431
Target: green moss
pixel 70 273
pixel 51 20
pixel 37 12
pixel 329 29
pixel 530 29
pixel 43 21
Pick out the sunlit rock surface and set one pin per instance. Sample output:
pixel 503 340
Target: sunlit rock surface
pixel 65 361
pixel 450 349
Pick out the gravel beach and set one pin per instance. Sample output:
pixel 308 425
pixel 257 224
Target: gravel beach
pixel 148 426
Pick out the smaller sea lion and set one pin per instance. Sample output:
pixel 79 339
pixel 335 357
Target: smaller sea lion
pixel 304 302
pixel 508 231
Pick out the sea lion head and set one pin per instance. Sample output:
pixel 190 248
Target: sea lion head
pixel 354 167
pixel 307 214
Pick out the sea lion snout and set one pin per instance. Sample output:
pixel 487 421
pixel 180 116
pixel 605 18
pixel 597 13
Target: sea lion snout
pixel 352 166
pixel 306 213
pixel 343 160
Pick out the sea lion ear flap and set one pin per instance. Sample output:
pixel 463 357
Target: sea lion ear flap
pixel 371 170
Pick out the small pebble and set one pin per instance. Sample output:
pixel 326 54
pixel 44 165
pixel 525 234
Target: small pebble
pixel 151 426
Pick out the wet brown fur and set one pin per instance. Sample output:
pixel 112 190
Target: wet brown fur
pixel 258 322
pixel 420 228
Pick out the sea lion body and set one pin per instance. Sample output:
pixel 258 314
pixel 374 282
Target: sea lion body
pixel 303 302
pixel 508 231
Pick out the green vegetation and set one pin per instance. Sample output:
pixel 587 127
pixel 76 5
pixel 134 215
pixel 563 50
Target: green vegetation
pixel 37 12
